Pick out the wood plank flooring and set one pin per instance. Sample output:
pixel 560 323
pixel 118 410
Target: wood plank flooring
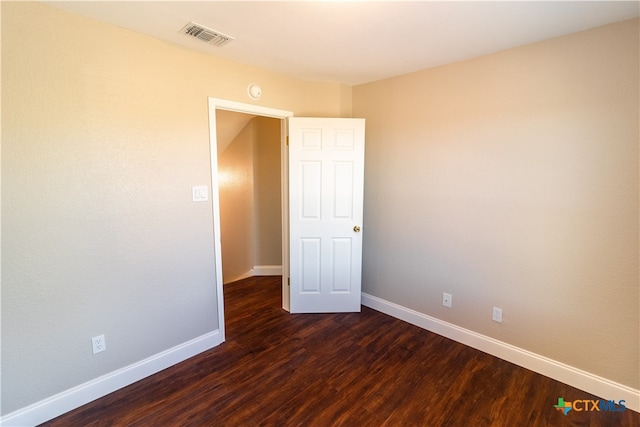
pixel 355 369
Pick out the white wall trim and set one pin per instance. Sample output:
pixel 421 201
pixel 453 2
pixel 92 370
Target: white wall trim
pixel 601 387
pixel 75 397
pixel 240 277
pixel 267 270
pixel 240 107
pixel 257 270
pixel 225 104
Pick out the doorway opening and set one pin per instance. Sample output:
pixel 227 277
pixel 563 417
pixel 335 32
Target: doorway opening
pixel 249 112
pixel 249 180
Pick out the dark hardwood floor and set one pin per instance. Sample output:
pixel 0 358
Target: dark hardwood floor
pixel 355 369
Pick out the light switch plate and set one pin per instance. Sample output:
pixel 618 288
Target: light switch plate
pixel 200 193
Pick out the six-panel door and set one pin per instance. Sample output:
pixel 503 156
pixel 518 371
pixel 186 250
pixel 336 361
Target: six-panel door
pixel 326 180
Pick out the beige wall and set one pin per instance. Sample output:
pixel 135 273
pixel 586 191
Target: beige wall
pixel 104 132
pixel 237 207
pixel 250 203
pixel 268 201
pixel 511 180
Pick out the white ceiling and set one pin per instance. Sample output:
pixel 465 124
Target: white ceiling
pixel 356 42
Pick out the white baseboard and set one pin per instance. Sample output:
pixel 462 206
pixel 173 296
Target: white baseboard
pixel 257 270
pixel 598 386
pixel 240 277
pixel 267 270
pixel 75 397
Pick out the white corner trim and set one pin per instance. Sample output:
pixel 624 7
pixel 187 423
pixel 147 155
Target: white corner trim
pixel 267 270
pixel 244 275
pixel 594 384
pixel 240 107
pixel 257 270
pixel 75 397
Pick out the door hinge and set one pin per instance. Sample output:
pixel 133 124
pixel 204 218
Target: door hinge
pixel 287 139
pixel 289 281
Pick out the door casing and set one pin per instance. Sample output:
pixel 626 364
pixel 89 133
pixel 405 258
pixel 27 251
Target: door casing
pixel 222 104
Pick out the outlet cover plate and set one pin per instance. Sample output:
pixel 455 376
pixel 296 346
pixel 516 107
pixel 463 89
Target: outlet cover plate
pixel 99 344
pixel 447 299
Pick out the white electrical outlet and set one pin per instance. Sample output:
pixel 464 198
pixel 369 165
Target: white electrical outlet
pixel 447 299
pixel 497 314
pixel 99 344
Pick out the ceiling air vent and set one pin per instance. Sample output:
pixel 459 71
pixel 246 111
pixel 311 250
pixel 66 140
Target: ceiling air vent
pixel 205 34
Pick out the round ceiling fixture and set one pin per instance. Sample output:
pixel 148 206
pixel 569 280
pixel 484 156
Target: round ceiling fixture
pixel 254 92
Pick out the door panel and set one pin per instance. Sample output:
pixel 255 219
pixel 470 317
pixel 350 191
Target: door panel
pixel 326 180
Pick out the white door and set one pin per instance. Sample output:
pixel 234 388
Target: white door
pixel 326 180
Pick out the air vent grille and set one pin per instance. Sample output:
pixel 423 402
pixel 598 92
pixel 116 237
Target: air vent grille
pixel 205 34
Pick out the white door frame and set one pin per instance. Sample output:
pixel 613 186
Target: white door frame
pixel 223 104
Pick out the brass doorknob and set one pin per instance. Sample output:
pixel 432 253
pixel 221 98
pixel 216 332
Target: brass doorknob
pixel 356 229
